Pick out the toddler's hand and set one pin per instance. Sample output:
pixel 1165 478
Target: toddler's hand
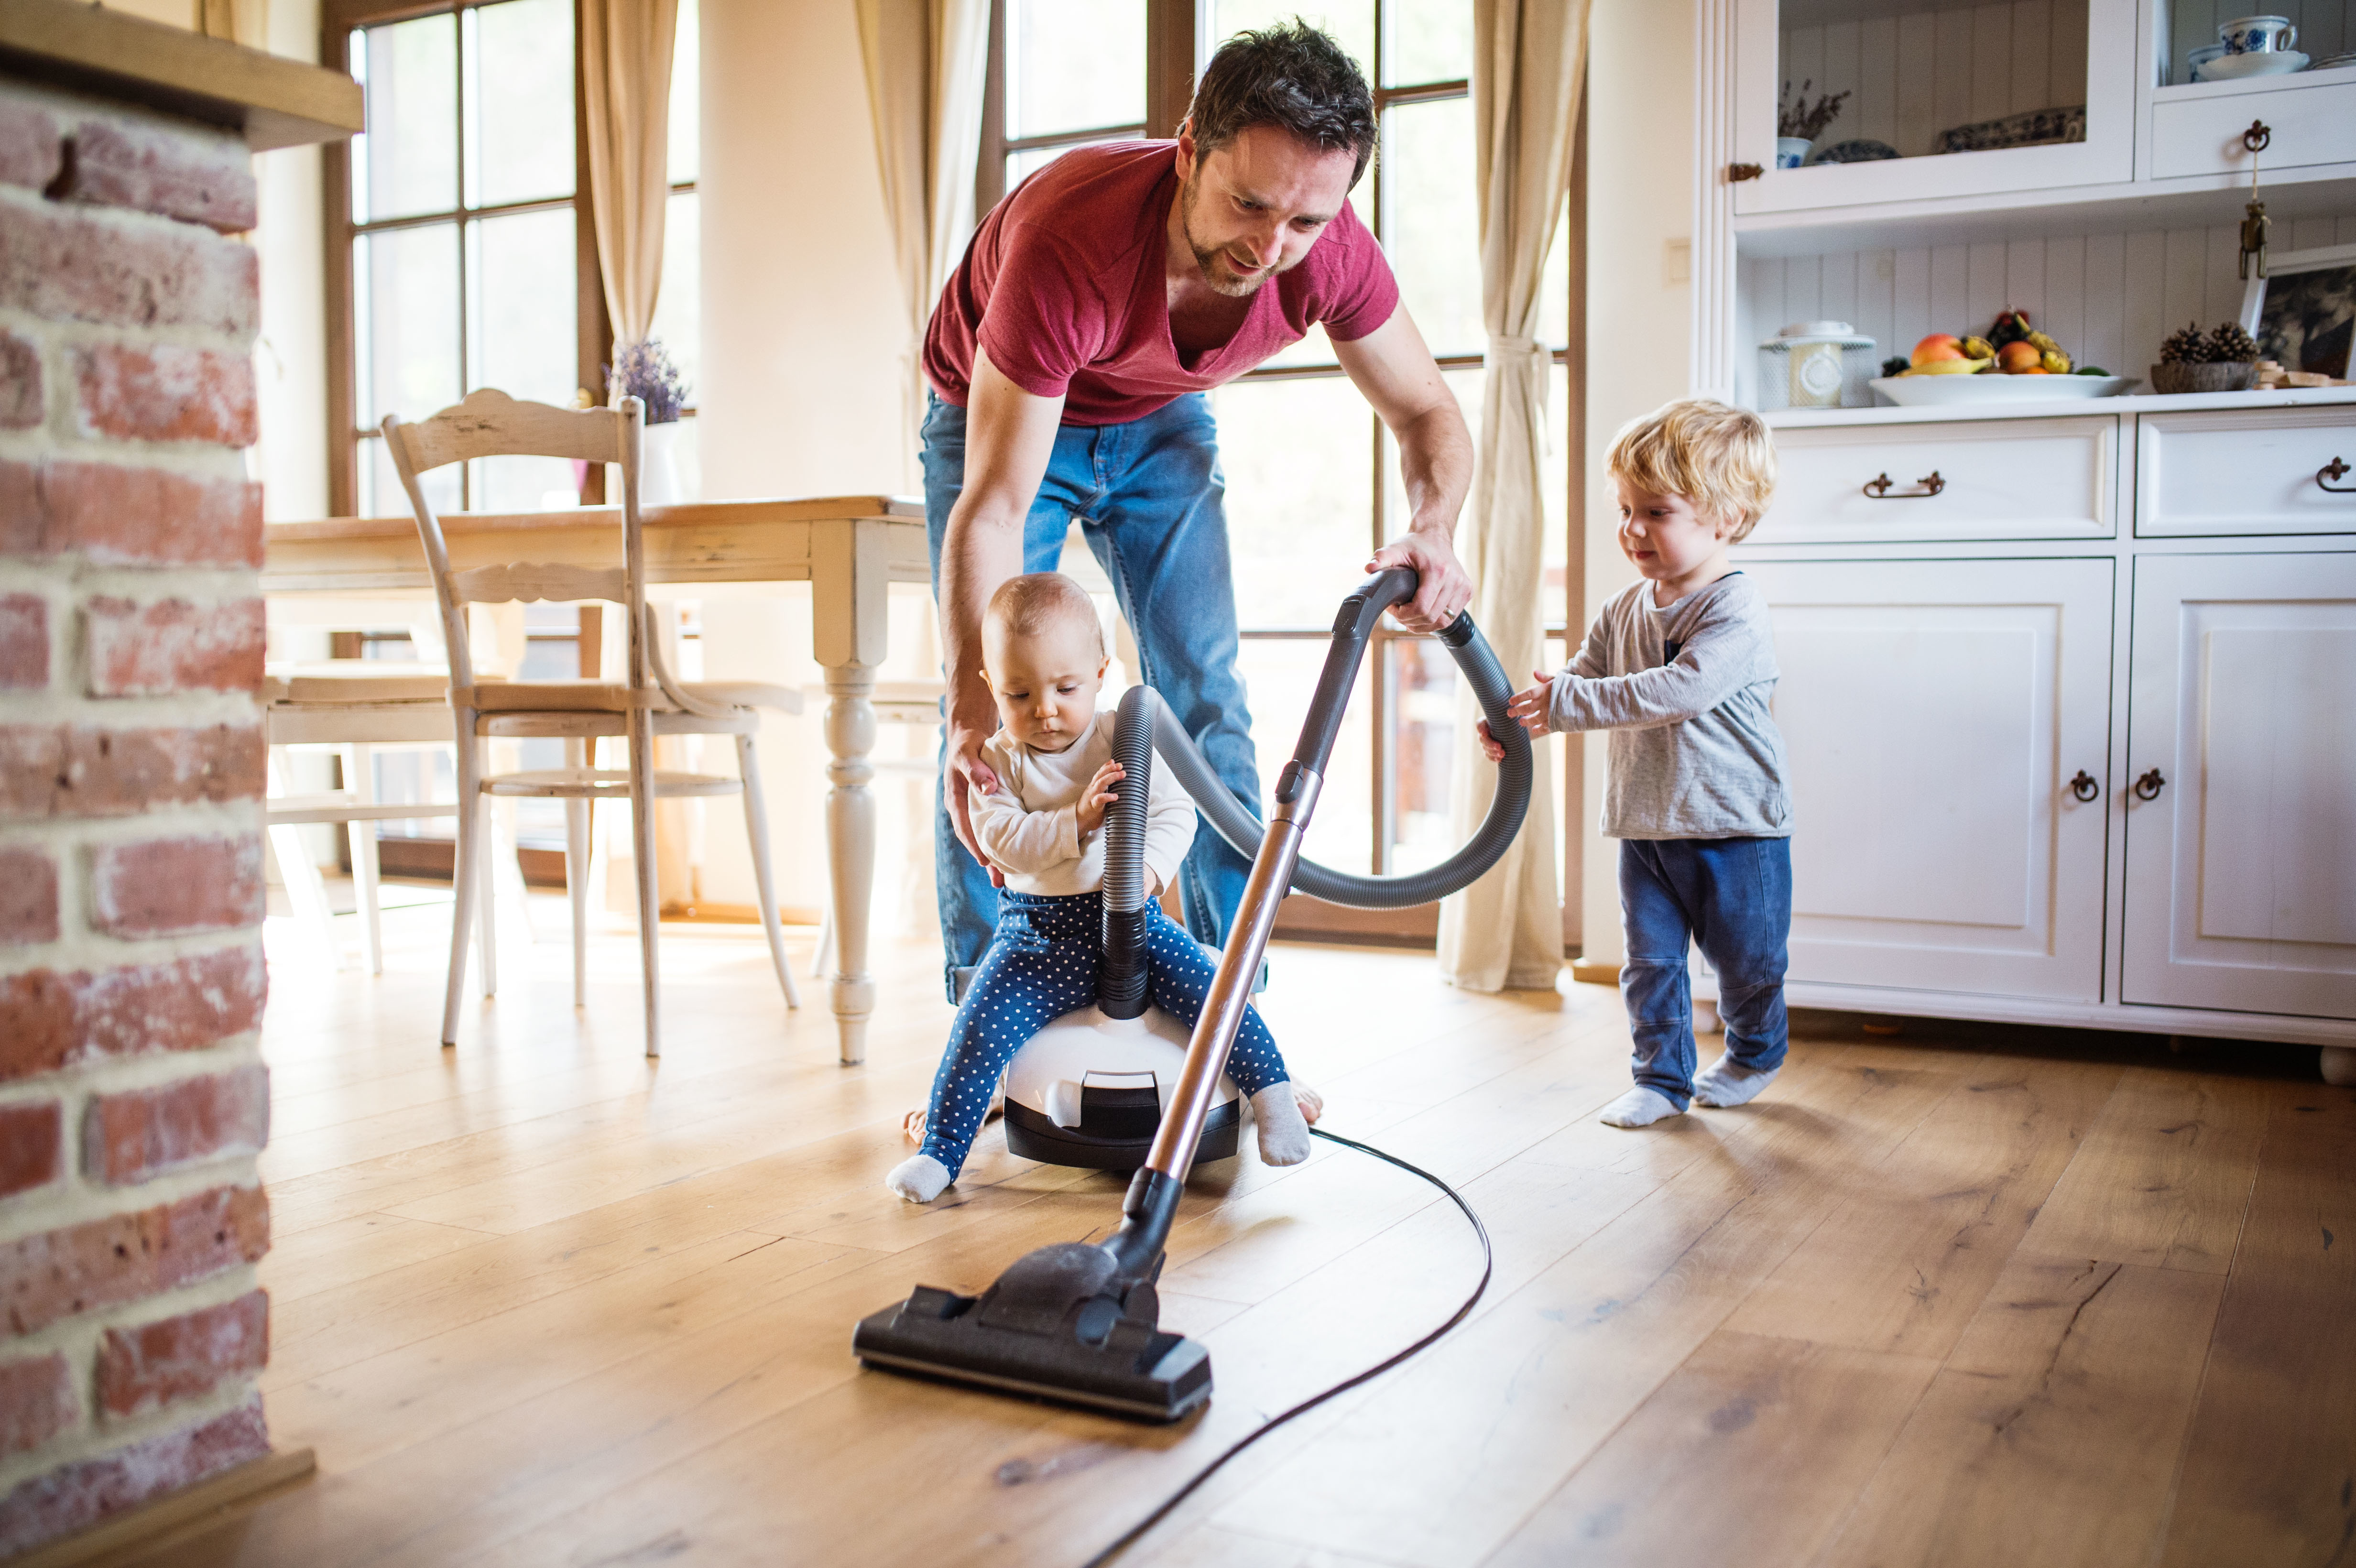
pixel 1529 707
pixel 1099 793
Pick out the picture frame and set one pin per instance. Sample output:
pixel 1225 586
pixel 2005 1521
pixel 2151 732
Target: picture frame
pixel 2303 311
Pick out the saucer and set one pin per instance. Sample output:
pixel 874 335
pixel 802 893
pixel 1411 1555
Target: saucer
pixel 2264 62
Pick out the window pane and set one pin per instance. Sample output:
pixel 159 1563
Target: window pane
pixel 524 483
pixel 1351 23
pixel 1554 293
pixel 1020 167
pixel 1431 208
pixel 523 324
pixel 1431 41
pixel 1280 679
pixel 679 311
pixel 520 95
pixel 1297 460
pixel 1073 65
pixel 1467 384
pixel 381 492
pixel 409 290
pixel 686 92
pixel 1423 742
pixel 406 162
pixel 1316 349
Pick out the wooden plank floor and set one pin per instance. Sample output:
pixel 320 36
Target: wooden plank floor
pixel 1971 1295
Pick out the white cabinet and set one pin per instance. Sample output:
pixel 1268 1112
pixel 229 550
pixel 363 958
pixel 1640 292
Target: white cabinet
pixel 1975 479
pixel 2224 473
pixel 2198 130
pixel 1936 713
pixel 2241 774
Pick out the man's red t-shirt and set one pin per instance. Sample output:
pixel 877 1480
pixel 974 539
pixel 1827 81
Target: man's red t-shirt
pixel 1063 286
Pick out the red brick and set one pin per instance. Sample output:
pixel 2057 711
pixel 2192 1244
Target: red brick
pixel 74 1497
pixel 171 645
pixel 29 149
pixel 144 1369
pixel 30 1137
pixel 124 1258
pixel 173 887
pixel 24 642
pixel 206 180
pixel 37 1401
pixel 21 407
pixel 83 770
pixel 49 1020
pixel 114 515
pixel 168 391
pixel 70 263
pixel 146 1133
pixel 28 895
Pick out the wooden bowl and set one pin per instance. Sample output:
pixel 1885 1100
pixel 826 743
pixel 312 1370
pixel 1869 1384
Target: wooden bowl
pixel 2233 376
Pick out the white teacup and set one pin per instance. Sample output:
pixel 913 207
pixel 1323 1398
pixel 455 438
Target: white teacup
pixel 2258 35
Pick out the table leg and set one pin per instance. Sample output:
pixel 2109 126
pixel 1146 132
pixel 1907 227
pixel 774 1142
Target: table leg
pixel 850 847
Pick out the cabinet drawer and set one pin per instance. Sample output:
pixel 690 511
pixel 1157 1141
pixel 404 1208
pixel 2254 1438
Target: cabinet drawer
pixel 1999 479
pixel 2203 135
pixel 2245 473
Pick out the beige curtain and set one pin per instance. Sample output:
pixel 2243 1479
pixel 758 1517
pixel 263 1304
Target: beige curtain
pixel 926 61
pixel 1528 63
pixel 625 47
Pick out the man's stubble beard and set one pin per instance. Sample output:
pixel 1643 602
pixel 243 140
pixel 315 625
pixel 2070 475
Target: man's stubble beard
pixel 1207 259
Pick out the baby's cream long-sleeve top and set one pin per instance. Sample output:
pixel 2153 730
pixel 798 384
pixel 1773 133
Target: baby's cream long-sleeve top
pixel 1031 826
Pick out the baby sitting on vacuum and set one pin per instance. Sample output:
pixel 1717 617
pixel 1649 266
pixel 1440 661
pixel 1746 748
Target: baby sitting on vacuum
pixel 1044 828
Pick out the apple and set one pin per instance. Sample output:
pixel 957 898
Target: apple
pixel 1938 346
pixel 2019 357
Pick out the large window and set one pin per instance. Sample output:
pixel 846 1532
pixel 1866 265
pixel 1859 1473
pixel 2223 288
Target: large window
pixel 464 255
pixel 1313 479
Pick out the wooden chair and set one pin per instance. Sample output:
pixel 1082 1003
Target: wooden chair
pixel 650 702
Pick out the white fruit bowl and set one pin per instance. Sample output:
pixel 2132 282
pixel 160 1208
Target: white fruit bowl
pixel 1932 391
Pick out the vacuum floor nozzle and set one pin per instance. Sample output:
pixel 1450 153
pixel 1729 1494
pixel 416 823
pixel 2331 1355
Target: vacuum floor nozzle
pixel 1058 1326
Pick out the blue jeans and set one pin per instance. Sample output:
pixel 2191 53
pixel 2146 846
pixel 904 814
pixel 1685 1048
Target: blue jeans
pixel 1733 896
pixel 1149 497
pixel 1042 965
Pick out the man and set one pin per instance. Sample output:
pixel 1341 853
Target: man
pixel 1070 357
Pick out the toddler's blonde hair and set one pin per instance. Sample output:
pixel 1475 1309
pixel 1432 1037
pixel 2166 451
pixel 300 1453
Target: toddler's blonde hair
pixel 1721 459
pixel 1031 603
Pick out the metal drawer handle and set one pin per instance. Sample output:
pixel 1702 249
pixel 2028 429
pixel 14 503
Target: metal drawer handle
pixel 2258 136
pixel 1879 487
pixel 2148 787
pixel 2335 469
pixel 2084 786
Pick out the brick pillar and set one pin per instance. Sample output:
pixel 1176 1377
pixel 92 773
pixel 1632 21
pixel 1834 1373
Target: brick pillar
pixel 133 1097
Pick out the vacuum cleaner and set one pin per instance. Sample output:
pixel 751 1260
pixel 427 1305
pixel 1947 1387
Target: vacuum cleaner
pixel 1078 1323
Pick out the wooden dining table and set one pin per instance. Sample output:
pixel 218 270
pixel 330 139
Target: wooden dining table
pixel 848 548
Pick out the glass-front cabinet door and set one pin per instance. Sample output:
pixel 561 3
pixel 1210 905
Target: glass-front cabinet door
pixel 1844 102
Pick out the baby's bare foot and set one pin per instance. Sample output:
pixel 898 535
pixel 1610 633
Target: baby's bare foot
pixel 1312 1104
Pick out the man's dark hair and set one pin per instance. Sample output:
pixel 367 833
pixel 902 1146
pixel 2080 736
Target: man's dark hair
pixel 1293 76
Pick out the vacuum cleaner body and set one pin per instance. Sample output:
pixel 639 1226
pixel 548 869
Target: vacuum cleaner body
pixel 1078 1323
pixel 1088 1090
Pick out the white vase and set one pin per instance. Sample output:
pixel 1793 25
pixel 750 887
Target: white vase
pixel 659 466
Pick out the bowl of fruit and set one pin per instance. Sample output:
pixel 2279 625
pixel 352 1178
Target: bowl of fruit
pixel 2013 363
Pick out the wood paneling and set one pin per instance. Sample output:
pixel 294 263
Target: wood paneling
pixel 1911 77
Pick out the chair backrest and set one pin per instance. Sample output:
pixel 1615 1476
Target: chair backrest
pixel 489 423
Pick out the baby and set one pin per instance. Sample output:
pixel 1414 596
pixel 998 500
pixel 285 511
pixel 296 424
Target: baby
pixel 1679 668
pixel 1044 828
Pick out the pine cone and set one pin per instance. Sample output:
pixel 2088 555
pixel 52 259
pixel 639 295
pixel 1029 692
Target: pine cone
pixel 2185 347
pixel 2229 344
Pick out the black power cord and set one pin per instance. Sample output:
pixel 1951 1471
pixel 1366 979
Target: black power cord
pixel 1488 1261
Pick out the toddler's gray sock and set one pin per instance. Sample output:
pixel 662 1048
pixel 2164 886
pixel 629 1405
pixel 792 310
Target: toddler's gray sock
pixel 1728 1083
pixel 1639 1107
pixel 1283 1132
pixel 919 1179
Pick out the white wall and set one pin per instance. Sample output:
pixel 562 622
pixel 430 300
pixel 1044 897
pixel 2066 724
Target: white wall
pixel 1640 184
pixel 290 358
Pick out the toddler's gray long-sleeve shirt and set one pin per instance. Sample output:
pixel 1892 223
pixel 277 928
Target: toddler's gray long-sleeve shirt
pixel 1684 691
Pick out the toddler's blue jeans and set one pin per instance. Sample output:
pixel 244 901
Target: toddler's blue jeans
pixel 1041 964
pixel 1733 898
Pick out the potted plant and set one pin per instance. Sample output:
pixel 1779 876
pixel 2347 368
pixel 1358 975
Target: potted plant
pixel 645 371
pixel 1798 123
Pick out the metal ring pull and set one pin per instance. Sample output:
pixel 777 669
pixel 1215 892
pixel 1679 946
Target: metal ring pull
pixel 2335 469
pixel 2259 137
pixel 2148 787
pixel 1929 484
pixel 2084 786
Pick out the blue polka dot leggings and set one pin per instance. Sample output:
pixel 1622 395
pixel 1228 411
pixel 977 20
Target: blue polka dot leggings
pixel 1042 963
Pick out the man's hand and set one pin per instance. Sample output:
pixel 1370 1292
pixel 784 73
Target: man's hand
pixel 1090 811
pixel 967 775
pixel 1444 587
pixel 1529 707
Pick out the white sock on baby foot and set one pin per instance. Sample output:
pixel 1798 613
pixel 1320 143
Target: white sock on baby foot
pixel 919 1179
pixel 1728 1083
pixel 1639 1107
pixel 1283 1133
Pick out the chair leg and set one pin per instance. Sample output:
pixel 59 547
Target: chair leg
pixel 487 881
pixel 756 828
pixel 642 830
pixel 467 755
pixel 359 778
pixel 305 892
pixel 577 819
